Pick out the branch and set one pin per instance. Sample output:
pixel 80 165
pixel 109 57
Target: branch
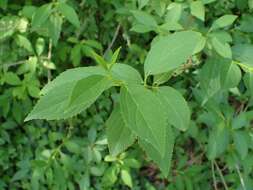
pixel 221 176
pixel 240 176
pixel 113 40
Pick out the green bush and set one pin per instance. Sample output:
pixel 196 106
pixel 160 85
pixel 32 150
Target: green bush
pixel 116 94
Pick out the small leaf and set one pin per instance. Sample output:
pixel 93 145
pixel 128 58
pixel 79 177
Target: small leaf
pixel 41 15
pixel 115 56
pixel 126 178
pixel 69 14
pixel 40 45
pixel 118 134
pixel 198 9
pixel 223 21
pixel 100 60
pixel 25 43
pixel 11 78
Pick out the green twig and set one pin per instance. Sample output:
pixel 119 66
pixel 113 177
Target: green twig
pixel 214 178
pixel 240 176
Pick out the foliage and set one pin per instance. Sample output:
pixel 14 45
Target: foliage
pixel 94 92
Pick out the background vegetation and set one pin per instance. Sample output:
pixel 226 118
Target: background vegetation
pixel 37 44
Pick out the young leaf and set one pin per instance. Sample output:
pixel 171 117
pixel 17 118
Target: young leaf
pixel 100 60
pixel 163 161
pixel 126 178
pixel 39 46
pixel 223 49
pixel 69 14
pixel 198 9
pixel 41 15
pixel 223 21
pixel 177 110
pixel 143 113
pixel 118 134
pixel 169 52
pixel 115 56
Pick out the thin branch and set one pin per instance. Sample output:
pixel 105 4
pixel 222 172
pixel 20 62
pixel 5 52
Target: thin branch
pixel 113 40
pixel 214 178
pixel 221 176
pixel 240 176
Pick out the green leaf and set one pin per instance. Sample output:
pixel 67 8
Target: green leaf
pixel 241 144
pixel 144 18
pixel 177 110
pixel 223 21
pixel 100 60
pixel 223 49
pixel 230 75
pixel 41 15
pixel 163 161
pixel 119 136
pixel 126 178
pixel 25 43
pixel 198 9
pixel 170 52
pixel 76 54
pixel 69 14
pixel 248 81
pixel 115 56
pixel 11 78
pixel 218 141
pixel 55 25
pixel 39 46
pixel 244 54
pixel 142 111
pixel 70 93
pixel 126 74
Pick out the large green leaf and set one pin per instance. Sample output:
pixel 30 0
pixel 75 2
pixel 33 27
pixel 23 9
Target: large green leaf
pixel 170 52
pixel 143 113
pixel 177 110
pixel 69 94
pixel 163 161
pixel 69 14
pixel 119 135
pixel 41 15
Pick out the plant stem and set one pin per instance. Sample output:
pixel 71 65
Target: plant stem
pixel 49 55
pixel 214 178
pixel 240 176
pixel 221 176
